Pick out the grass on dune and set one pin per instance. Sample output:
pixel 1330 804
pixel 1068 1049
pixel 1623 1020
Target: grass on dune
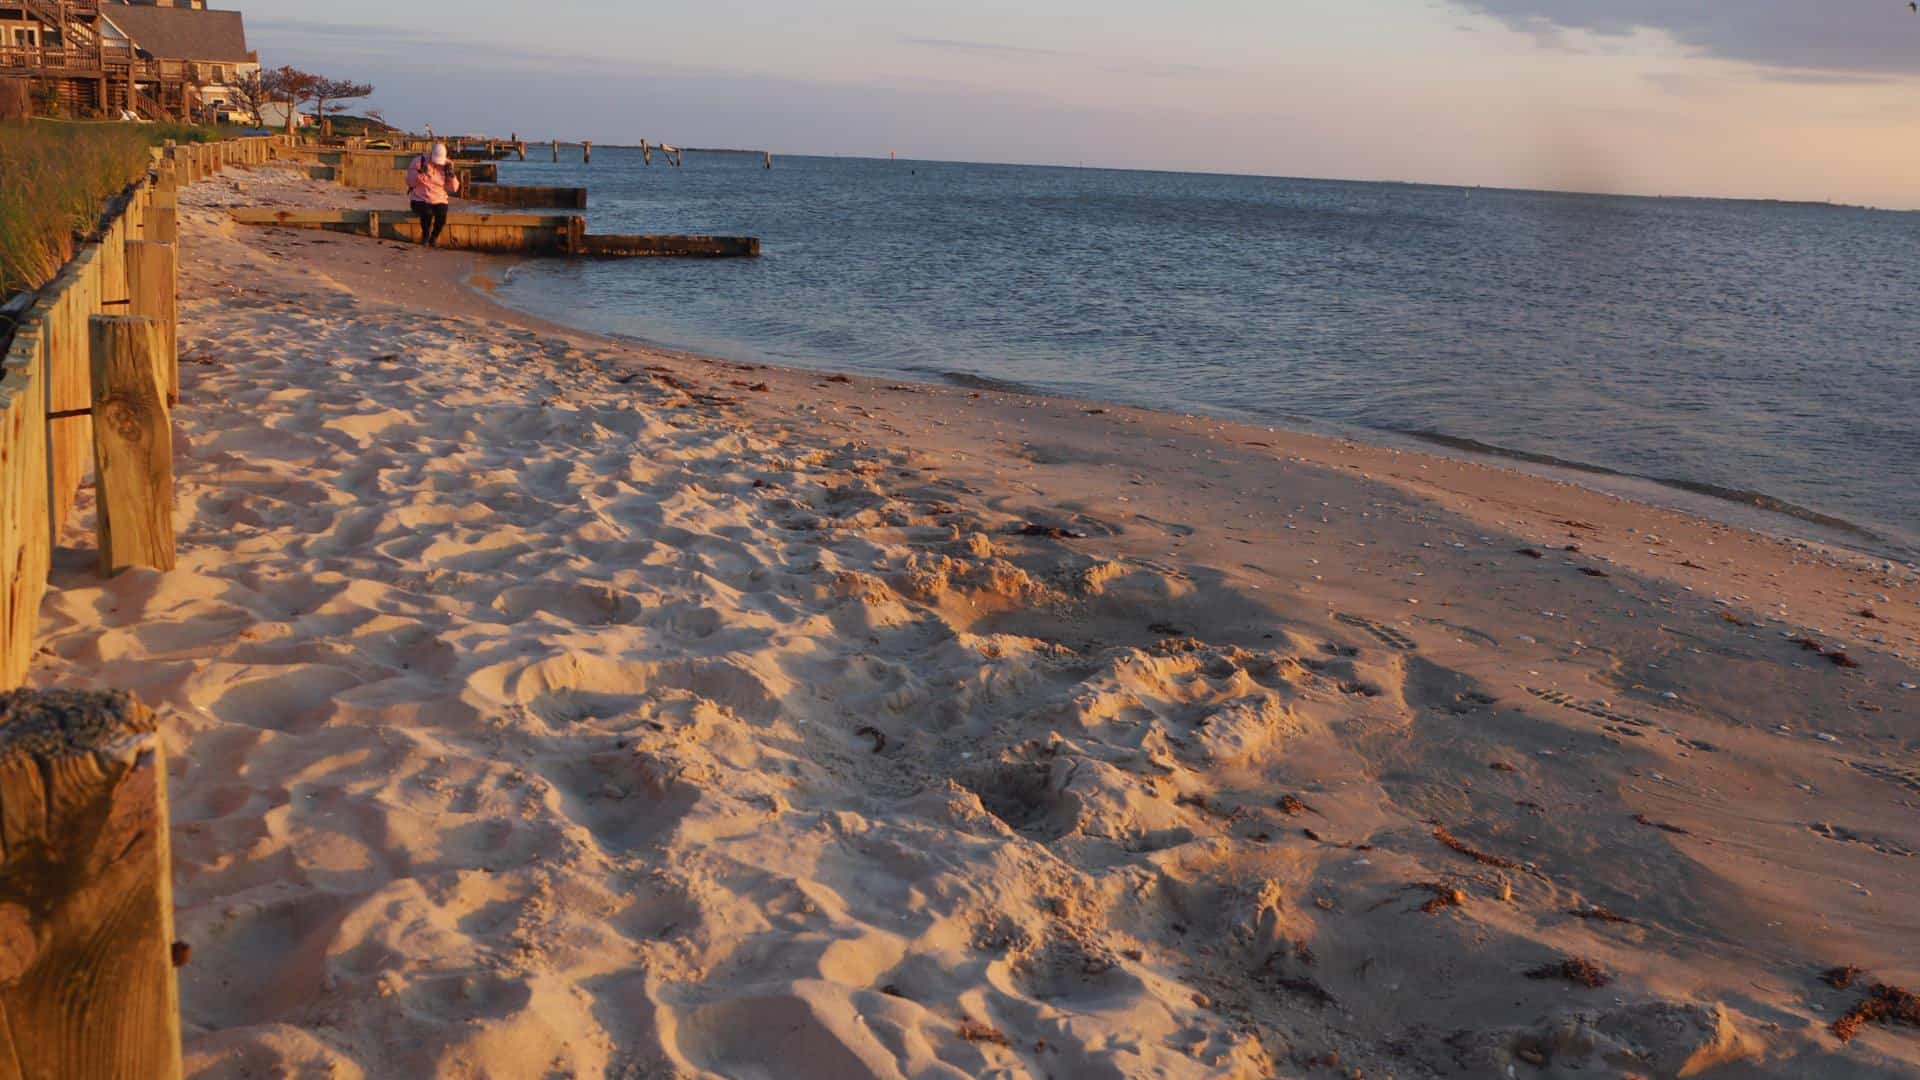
pixel 54 178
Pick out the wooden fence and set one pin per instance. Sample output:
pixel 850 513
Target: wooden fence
pixel 48 391
pixel 87 956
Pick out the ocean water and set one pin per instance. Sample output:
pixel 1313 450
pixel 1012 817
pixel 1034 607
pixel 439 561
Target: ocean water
pixel 1764 353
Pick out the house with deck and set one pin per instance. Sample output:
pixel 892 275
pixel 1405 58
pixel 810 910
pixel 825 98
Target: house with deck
pixel 157 59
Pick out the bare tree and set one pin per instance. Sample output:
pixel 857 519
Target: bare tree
pixel 333 91
pixel 251 94
pixel 290 86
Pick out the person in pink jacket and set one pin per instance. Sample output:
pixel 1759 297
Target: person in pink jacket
pixel 431 184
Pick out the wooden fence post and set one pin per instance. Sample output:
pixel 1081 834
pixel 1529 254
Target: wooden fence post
pixel 153 289
pixel 132 445
pixel 163 223
pixel 87 986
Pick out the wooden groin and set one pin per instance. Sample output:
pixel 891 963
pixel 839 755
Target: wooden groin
pixel 517 234
pixel 527 196
pixel 694 247
pixel 475 149
pixel 378 170
pixel 87 955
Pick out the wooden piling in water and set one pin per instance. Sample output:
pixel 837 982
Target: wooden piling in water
pixel 87 985
pixel 132 445
pixel 586 151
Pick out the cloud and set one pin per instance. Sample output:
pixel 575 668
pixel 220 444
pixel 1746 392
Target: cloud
pixel 470 84
pixel 1836 35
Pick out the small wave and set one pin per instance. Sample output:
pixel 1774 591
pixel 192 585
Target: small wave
pixel 982 382
pixel 1767 502
pixel 1742 496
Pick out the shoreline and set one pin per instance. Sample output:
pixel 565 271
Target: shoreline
pixel 541 702
pixel 1750 508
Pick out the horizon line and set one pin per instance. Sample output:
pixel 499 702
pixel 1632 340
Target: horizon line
pixel 1299 178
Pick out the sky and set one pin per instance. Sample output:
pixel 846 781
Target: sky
pixel 1796 99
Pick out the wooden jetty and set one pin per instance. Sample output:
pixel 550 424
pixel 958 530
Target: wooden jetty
pixel 487 149
pixel 516 234
pixel 379 170
pixel 545 198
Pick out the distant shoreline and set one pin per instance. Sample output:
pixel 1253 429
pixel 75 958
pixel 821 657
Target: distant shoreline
pixel 1436 185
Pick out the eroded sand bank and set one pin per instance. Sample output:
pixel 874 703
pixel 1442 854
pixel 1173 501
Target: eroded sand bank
pixel 543 706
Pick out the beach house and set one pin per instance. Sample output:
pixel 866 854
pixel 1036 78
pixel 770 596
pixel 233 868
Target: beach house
pixel 157 60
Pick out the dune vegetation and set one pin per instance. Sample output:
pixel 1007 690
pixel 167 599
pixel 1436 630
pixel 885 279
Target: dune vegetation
pixel 54 177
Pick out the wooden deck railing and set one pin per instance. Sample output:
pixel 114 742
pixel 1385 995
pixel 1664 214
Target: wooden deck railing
pixel 118 61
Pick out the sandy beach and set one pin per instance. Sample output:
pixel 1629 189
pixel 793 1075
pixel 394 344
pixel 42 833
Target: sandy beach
pixel 541 705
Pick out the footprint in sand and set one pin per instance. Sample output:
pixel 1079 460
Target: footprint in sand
pixel 1906 778
pixel 1388 635
pixel 1591 708
pixel 1847 836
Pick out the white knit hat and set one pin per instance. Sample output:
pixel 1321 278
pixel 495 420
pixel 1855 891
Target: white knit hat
pixel 439 153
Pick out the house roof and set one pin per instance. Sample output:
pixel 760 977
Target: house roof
pixel 183 33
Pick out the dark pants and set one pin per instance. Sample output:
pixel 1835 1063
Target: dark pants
pixel 433 219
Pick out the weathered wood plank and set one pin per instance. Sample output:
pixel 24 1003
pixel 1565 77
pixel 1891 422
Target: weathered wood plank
pixel 564 198
pixel 245 215
pixel 133 446
pixel 26 541
pixel 71 300
pixel 711 247
pixel 87 986
pixel 551 234
pixel 163 224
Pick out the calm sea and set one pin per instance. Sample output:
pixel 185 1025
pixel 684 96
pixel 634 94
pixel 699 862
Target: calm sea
pixel 1764 353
